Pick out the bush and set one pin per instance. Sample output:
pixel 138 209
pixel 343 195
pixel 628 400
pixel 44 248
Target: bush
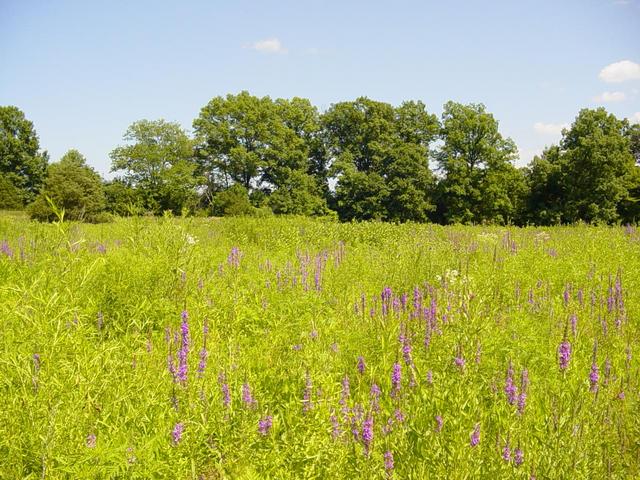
pixel 10 197
pixel 72 186
pixel 233 202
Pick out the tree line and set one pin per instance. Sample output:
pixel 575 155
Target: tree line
pixel 358 160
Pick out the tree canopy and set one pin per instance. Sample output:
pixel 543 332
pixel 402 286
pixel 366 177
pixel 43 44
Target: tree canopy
pixel 72 186
pixel 358 160
pixel 158 162
pixel 22 165
pixel 380 159
pixel 480 182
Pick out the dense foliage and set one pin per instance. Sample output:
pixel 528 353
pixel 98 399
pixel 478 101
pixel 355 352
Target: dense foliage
pixel 72 189
pixel 358 160
pixel 22 165
pixel 299 348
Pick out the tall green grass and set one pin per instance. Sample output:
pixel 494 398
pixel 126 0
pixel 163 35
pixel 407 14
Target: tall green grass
pixel 94 301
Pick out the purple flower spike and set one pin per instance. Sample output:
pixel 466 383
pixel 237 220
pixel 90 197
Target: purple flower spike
pixel 361 365
pixel 594 376
pixel 518 458
pixel 367 434
pixel 506 453
pixel 388 461
pixel 475 436
pixel 264 425
pixel 564 354
pixel 522 397
pixel 396 377
pixel 176 434
pixel 203 361
pixel 439 423
pixel 375 397
pixel 183 353
pixel 247 398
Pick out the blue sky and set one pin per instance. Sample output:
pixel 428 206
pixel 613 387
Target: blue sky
pixel 82 71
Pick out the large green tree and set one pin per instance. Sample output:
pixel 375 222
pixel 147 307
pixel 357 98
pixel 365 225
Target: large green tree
pixel 590 176
pixel 629 208
pixel 480 182
pixel 380 158
pixel 158 161
pixel 22 166
pixel 270 148
pixel 73 186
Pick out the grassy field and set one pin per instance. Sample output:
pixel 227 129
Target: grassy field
pixel 298 348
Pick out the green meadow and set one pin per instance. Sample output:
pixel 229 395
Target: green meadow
pixel 192 348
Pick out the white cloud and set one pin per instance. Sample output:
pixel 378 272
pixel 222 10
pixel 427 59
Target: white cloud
pixel 635 118
pixel 610 97
pixel 620 72
pixel 549 128
pixel 268 45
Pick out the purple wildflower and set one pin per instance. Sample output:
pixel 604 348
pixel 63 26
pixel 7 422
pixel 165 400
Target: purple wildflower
pixel 234 257
pixel 171 366
pixel 203 361
pixel 388 461
pixel 367 433
pixel 574 324
pixel 396 377
pixel 183 353
pixel 176 434
pixel 361 365
pixel 439 423
pixel 91 440
pixel 247 398
pixel 459 361
pixel 580 297
pixel 522 397
pixel 506 452
pixel 264 425
pixel 475 436
pixel 430 377
pixel 518 458
pixel 398 415
pixel 564 354
pixel 406 349
pixel 375 397
pixel 6 249
pixel 224 388
pixel 594 376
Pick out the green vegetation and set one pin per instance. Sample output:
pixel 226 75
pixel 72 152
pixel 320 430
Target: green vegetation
pixel 358 160
pixel 72 187
pixel 529 337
